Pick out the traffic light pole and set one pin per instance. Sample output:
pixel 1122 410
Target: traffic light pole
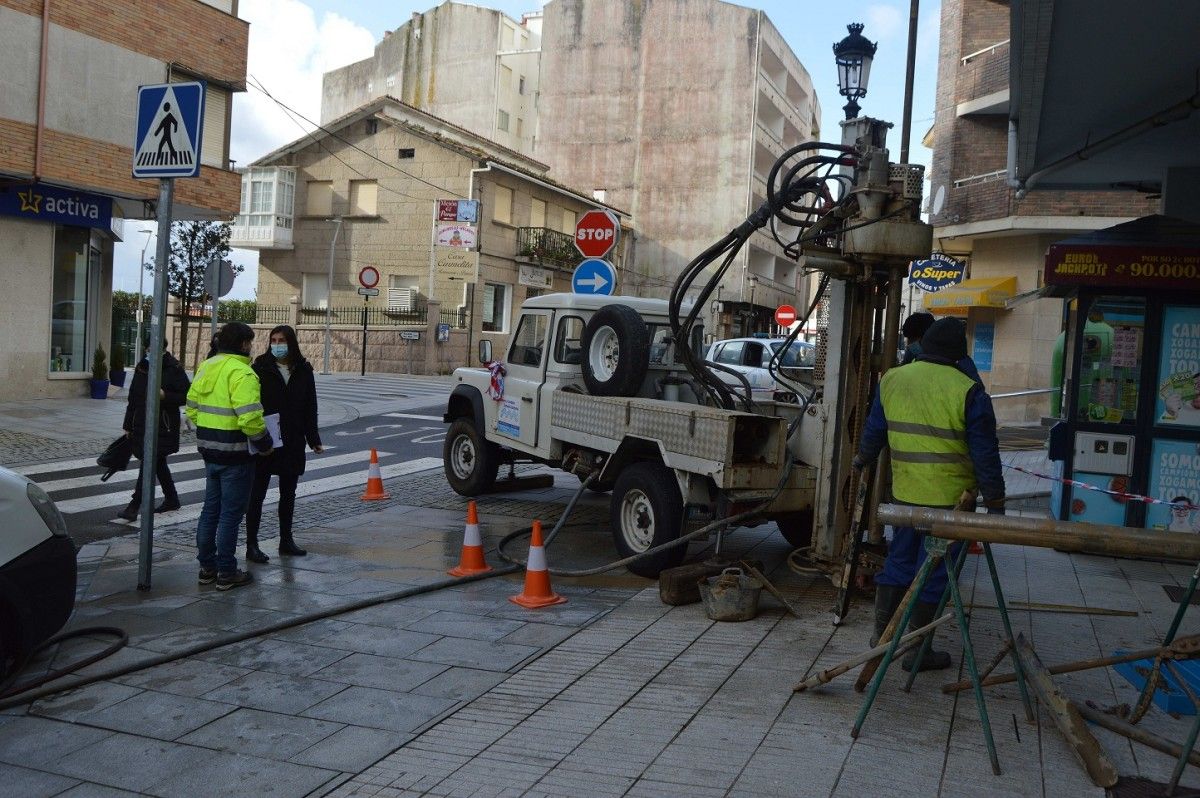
pixel 166 195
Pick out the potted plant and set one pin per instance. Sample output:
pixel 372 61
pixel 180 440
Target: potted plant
pixel 99 374
pixel 116 372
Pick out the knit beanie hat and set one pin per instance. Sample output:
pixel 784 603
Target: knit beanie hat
pixel 946 339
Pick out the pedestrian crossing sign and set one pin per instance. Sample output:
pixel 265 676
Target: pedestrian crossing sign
pixel 170 125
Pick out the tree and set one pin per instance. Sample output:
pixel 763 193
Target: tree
pixel 193 246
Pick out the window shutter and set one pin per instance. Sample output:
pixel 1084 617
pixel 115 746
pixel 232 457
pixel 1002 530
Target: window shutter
pixel 216 110
pixel 401 298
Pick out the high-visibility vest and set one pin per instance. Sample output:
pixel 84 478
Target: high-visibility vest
pixel 925 406
pixel 225 404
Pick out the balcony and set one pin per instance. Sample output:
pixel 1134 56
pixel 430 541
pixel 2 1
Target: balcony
pixel 266 217
pixel 547 247
pixel 982 81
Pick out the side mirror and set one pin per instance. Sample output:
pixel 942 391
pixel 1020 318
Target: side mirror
pixel 485 351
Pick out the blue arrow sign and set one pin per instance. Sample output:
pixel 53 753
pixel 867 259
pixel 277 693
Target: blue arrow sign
pixel 170 126
pixel 594 276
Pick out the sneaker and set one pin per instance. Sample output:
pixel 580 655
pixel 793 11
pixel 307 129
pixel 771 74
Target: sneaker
pixel 208 576
pixel 130 513
pixel 228 581
pixel 168 505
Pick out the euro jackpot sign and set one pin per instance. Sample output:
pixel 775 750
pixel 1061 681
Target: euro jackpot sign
pixel 936 274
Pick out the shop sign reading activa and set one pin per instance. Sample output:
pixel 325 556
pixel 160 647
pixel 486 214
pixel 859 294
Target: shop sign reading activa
pixel 939 272
pixel 49 204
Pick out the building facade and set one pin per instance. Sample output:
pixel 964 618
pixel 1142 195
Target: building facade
pixel 373 191
pixel 67 105
pixel 594 90
pixel 469 65
pixel 978 218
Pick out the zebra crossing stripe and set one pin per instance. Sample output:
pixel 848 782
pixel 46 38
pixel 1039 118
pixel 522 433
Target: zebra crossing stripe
pixel 191 511
pixel 119 497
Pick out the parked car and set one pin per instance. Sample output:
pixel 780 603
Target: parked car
pixel 751 356
pixel 37 568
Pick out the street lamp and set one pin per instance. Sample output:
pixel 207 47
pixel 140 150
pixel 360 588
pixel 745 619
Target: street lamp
pixel 137 345
pixel 329 292
pixel 853 55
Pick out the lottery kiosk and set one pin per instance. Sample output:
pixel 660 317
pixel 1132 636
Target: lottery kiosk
pixel 1129 419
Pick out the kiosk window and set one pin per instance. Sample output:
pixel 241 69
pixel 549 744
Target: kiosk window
pixel 1110 369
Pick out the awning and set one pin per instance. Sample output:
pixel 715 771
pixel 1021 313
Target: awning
pixel 982 292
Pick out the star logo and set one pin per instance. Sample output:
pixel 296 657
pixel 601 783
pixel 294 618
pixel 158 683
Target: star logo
pixel 30 202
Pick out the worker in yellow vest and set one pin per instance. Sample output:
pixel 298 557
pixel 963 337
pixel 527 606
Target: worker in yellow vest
pixel 941 429
pixel 225 405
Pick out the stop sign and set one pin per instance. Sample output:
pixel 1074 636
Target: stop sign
pixel 596 233
pixel 785 315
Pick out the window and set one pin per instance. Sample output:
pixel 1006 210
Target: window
pixel 213 146
pixel 389 81
pixel 406 152
pixel 320 198
pixel 537 213
pixel 502 120
pixel 403 292
pixel 364 198
pixel 568 348
pixel 502 210
pixel 568 221
pixel 660 345
pixel 505 80
pixel 730 353
pixel 753 355
pixel 372 127
pixel 314 290
pixel 73 255
pixel 520 127
pixel 521 85
pixel 530 341
pixel 507 35
pixel 495 307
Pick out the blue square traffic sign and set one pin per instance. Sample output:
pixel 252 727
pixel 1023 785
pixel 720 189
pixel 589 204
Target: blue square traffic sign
pixel 170 126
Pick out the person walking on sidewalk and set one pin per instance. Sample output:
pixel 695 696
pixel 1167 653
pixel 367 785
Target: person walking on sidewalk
pixel 289 389
pixel 225 405
pixel 941 429
pixel 172 396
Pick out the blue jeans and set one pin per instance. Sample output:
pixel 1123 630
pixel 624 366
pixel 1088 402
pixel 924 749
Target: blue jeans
pixel 226 494
pixel 905 555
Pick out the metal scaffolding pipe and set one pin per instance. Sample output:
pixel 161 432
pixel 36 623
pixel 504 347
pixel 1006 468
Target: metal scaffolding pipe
pixel 1101 539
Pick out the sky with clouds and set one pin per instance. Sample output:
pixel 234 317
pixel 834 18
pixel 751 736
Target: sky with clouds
pixel 293 42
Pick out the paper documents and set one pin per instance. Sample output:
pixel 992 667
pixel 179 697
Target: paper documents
pixel 272 422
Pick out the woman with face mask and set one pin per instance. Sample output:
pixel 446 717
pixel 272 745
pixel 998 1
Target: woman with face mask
pixel 289 389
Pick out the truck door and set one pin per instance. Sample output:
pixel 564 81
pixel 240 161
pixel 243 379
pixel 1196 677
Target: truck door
pixel 526 366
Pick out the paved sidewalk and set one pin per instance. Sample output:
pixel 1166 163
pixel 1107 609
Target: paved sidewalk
pixel 459 692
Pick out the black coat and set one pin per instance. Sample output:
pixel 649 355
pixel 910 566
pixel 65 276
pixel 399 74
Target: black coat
pixel 296 403
pixel 175 385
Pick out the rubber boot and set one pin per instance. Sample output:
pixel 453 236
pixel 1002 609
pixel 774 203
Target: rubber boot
pixel 934 660
pixel 288 546
pixel 253 552
pixel 887 599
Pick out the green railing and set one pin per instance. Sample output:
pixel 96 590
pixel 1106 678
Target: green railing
pixel 546 245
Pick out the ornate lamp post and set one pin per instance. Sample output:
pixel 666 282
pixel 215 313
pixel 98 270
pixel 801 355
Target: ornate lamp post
pixel 853 55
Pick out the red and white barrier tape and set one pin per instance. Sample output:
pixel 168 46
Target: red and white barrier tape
pixel 1119 494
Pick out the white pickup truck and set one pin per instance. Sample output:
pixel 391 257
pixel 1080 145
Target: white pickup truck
pixel 592 385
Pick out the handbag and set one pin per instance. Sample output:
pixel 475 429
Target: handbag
pixel 116 457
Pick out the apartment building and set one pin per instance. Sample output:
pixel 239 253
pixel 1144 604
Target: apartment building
pixel 977 217
pixel 672 109
pixel 67 105
pixel 372 190
pixel 472 66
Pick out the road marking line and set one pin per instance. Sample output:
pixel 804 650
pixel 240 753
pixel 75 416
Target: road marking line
pixel 69 465
pixel 413 416
pixel 115 498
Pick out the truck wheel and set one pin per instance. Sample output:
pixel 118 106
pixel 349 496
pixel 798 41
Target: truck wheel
pixel 797 528
pixel 616 351
pixel 469 459
pixel 647 511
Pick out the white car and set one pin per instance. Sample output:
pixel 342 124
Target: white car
pixel 37 568
pixel 751 356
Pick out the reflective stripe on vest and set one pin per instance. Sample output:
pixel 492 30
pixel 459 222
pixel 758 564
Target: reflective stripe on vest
pixel 925 406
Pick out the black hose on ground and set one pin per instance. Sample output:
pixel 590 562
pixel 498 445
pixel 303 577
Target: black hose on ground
pixel 8 686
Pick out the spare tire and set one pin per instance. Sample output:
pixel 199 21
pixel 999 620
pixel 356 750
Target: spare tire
pixel 616 351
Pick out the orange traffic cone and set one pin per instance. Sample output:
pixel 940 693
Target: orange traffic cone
pixel 374 480
pixel 471 560
pixel 537 591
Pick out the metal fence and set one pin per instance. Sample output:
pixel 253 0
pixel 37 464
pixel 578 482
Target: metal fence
pixel 457 319
pixel 543 244
pixel 376 317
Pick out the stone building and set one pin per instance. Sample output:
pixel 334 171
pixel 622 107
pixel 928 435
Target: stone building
pixel 673 109
pixel 977 217
pixel 366 191
pixel 68 98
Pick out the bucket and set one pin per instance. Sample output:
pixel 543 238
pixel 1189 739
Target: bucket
pixel 732 596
